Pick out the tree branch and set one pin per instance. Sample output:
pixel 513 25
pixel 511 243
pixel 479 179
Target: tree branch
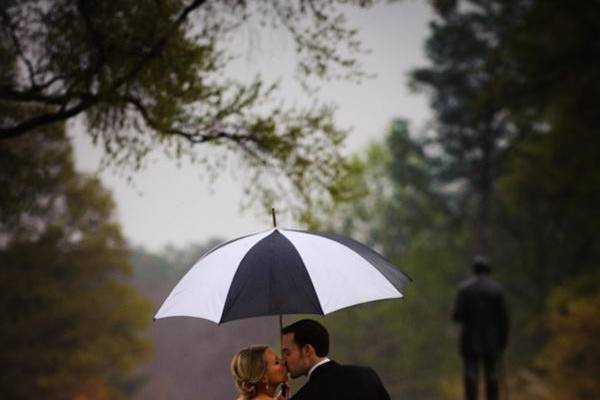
pixel 88 100
pixel 212 133
pixel 158 46
pixel 9 94
pixel 45 119
pixel 18 48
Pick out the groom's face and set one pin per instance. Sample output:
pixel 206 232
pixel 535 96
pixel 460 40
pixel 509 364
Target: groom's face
pixel 297 363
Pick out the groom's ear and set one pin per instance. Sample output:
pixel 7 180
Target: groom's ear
pixel 308 350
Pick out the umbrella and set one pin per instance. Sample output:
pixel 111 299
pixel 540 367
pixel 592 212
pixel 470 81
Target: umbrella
pixel 282 271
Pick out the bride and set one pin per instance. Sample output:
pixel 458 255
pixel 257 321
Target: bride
pixel 257 372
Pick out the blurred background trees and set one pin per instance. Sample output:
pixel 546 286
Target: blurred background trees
pixel 72 324
pixel 509 166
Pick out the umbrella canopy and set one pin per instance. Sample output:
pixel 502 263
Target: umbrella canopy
pixel 282 271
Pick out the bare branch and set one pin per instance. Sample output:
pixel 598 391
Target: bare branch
pixel 17 44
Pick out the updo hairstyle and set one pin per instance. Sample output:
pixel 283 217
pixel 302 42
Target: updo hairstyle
pixel 247 368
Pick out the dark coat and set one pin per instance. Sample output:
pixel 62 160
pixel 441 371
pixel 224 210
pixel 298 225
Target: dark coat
pixel 332 381
pixel 481 309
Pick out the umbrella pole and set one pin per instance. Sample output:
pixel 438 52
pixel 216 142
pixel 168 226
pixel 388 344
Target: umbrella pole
pixel 284 387
pixel 280 335
pixel 280 316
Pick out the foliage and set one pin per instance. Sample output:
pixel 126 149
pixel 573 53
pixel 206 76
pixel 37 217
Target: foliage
pixel 514 145
pixel 549 218
pixel 152 75
pixel 403 215
pixel 554 71
pixel 573 347
pixel 473 131
pixel 72 324
pixel 155 274
pixel 512 84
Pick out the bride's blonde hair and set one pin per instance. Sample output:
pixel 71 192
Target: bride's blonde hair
pixel 247 368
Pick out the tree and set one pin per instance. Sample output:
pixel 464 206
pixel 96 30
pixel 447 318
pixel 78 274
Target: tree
pixel 532 64
pixel 147 75
pixel 473 130
pixel 512 84
pixel 73 325
pixel 571 359
pixel 554 75
pixel 550 221
pixel 404 213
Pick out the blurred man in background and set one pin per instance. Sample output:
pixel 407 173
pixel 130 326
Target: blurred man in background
pixel 481 310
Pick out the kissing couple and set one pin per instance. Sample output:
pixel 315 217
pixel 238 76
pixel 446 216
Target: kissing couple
pixel 258 372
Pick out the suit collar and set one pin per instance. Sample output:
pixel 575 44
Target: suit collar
pixel 322 370
pixel 317 365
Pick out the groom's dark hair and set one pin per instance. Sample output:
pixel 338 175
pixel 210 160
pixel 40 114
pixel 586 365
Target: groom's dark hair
pixel 309 331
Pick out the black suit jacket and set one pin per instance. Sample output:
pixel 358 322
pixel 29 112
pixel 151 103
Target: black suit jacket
pixel 481 309
pixel 332 381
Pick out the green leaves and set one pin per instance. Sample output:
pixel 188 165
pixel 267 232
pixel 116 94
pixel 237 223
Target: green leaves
pixel 153 76
pixel 399 208
pixel 513 155
pixel 71 320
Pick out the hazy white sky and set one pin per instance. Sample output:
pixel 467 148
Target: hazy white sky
pixel 177 205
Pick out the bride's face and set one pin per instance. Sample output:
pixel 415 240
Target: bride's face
pixel 275 370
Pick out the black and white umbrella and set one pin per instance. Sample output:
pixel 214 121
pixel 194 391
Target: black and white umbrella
pixel 280 272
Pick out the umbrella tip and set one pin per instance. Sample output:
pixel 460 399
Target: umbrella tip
pixel 274 218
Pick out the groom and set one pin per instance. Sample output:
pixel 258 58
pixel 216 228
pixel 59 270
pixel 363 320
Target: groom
pixel 304 351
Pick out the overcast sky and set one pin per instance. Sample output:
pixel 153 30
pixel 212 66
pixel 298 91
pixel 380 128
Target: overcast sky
pixel 178 205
